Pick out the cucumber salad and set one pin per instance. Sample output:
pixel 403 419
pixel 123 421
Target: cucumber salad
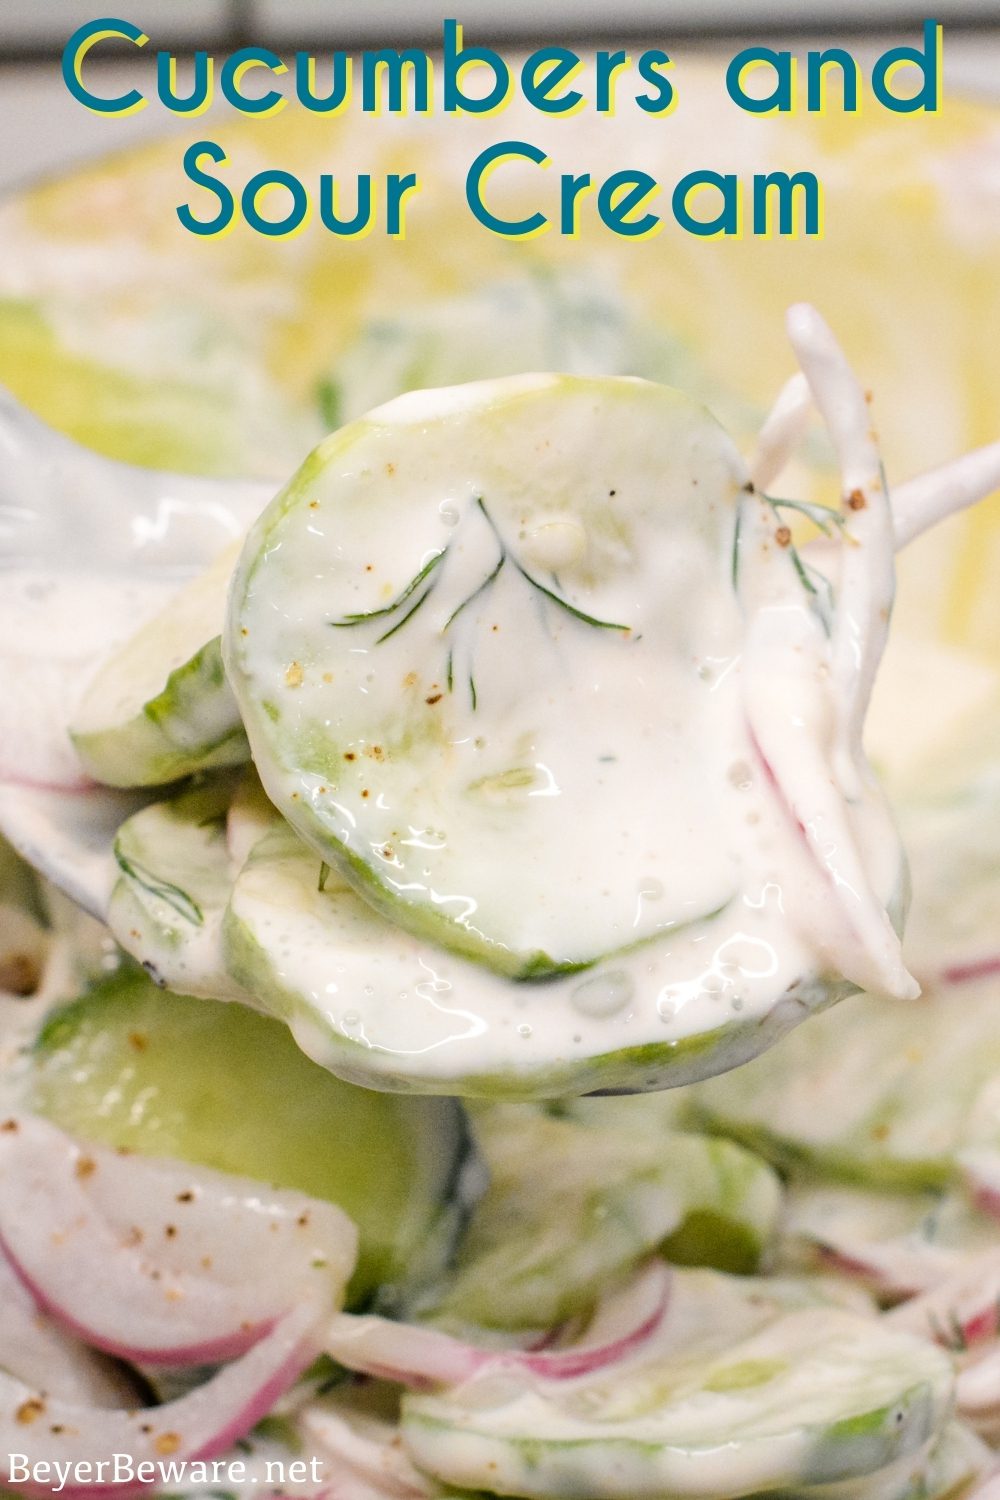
pixel 404 882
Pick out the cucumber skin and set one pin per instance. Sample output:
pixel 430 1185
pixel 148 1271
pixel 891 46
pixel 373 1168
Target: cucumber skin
pixel 159 744
pixel 19 885
pixel 143 923
pixel 656 1197
pixel 657 1065
pixel 931 1174
pixel 857 1447
pixel 390 1273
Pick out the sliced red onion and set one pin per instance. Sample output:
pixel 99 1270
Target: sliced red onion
pixel 976 968
pixel 38 1429
pixel 424 1357
pixel 866 582
pixel 156 1261
pixel 981 1169
pixel 34 1349
pixel 783 427
pixel 806 686
pixel 872 1268
pixel 961 1310
pixel 926 500
pixel 883 1240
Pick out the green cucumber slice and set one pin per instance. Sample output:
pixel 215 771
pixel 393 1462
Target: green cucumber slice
pixel 130 1066
pixel 958 1460
pixel 379 1008
pixel 249 816
pixel 299 939
pixel 648 1116
pixel 19 884
pixel 538 321
pixel 23 940
pixel 867 1093
pixel 167 905
pixel 441 637
pixel 741 1392
pixel 160 707
pixel 569 1209
pixel 955 1463
pixel 890 1095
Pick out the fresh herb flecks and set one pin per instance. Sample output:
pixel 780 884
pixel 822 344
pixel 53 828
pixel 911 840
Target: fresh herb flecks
pixel 814 583
pixel 179 900
pixel 822 516
pixel 429 575
pixel 400 599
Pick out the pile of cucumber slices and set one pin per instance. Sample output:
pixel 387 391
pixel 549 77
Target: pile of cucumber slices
pixel 511 762
pixel 467 764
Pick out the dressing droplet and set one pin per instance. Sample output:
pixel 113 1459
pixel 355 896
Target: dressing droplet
pixel 556 543
pixel 603 994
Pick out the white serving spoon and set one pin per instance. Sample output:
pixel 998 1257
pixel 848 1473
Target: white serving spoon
pixel 89 548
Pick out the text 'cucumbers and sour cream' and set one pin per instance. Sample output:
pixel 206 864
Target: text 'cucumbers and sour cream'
pixel 534 669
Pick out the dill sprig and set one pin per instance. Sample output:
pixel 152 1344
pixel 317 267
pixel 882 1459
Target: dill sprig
pixel 164 890
pixel 400 599
pixel 426 575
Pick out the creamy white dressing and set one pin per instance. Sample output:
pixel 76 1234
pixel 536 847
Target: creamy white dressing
pixel 729 887
pixel 744 1387
pixel 524 770
pixel 735 832
pixel 795 848
pixel 56 625
pixel 422 1015
pixel 89 550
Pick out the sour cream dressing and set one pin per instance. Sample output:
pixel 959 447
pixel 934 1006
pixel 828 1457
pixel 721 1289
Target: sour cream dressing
pixel 778 888
pixel 738 865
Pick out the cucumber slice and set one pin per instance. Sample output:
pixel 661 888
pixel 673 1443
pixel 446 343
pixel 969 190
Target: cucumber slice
pixel 959 1459
pixel 379 1008
pixel 539 321
pixel 249 816
pixel 221 1086
pixel 23 940
pixel 948 1472
pixel 648 1116
pixel 867 1093
pixel 19 887
pixel 892 1095
pixel 167 906
pixel 739 1393
pixel 441 636
pixel 569 1208
pixel 955 854
pixel 160 707
pixel 297 937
